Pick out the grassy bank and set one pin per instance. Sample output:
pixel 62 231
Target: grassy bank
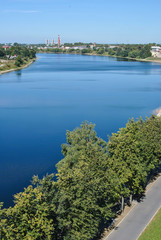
pixel 105 54
pixel 149 59
pixel 153 230
pixel 10 66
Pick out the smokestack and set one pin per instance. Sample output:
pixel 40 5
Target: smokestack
pixel 58 41
pixel 47 42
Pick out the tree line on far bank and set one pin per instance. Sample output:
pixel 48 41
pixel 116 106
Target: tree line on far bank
pixel 131 51
pixel 92 178
pixel 136 51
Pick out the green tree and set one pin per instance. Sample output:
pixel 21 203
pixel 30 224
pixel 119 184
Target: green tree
pixel 2 53
pixel 150 143
pixel 88 187
pixel 119 52
pixel 111 51
pixel 145 52
pixel 18 61
pixel 92 178
pixel 134 54
pixel 32 53
pixel 124 53
pixel 124 149
pixel 34 213
pixel 83 51
pixel 100 51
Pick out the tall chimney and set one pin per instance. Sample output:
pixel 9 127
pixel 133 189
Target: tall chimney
pixel 58 41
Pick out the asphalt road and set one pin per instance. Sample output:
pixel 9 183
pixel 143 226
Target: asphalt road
pixel 135 222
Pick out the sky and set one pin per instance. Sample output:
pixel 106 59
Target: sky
pixel 100 21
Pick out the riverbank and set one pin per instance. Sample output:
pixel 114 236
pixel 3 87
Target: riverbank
pixel 158 112
pixel 18 68
pixel 149 59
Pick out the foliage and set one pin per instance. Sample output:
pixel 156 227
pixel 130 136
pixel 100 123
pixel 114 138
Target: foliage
pixel 134 54
pixel 88 187
pixel 139 51
pixel 34 213
pixel 111 52
pixel 2 52
pixel 92 177
pixel 18 50
pixel 100 51
pixel 150 140
pixel 135 150
pixel 131 50
pixel 55 50
pixel 145 52
pixel 124 149
pixel 83 51
pixel 18 61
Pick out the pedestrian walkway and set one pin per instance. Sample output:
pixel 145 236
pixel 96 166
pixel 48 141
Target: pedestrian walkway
pixel 136 221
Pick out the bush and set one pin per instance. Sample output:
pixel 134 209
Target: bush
pixel 18 61
pixel 134 54
pixel 101 51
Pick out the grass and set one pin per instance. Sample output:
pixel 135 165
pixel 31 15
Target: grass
pixel 153 58
pixel 10 64
pixel 153 230
pixel 7 65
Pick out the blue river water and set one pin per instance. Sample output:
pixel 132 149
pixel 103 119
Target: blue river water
pixel 57 93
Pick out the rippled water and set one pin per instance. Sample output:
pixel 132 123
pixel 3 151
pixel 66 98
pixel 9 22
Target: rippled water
pixel 57 92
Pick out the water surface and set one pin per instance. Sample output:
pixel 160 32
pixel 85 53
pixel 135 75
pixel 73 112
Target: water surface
pixel 38 104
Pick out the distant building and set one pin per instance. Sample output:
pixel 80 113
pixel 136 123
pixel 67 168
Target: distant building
pixel 80 47
pixel 5 47
pixel 66 48
pixel 91 46
pixel 13 57
pixel 47 42
pixel 58 41
pixel 155 49
pixel 112 46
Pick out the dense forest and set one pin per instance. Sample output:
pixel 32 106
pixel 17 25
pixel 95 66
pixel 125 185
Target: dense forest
pixel 91 180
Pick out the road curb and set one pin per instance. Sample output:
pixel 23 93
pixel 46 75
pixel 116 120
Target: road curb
pixel 135 204
pixel 121 221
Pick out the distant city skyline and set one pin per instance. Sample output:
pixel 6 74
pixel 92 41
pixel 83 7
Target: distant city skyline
pixel 34 21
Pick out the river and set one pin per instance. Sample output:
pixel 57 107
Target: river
pixel 58 92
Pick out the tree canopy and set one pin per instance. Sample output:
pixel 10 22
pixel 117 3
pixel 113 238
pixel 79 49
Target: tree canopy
pixel 92 178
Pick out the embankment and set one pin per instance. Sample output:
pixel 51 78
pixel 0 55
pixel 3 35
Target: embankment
pixel 18 68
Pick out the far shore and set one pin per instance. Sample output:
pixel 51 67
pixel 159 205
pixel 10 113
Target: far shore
pixel 158 112
pixel 19 68
pixel 155 60
pixel 151 59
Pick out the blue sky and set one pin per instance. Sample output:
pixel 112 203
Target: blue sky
pixel 101 21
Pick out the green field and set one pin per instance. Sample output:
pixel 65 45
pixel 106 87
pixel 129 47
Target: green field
pixel 153 230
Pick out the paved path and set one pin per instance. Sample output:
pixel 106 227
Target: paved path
pixel 135 222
